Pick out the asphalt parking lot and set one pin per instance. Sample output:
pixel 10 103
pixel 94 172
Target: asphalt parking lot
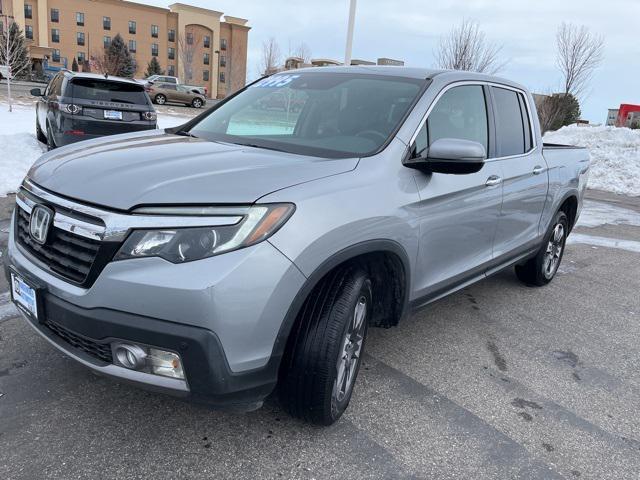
pixel 496 381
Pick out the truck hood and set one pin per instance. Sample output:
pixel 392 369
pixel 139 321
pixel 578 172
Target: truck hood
pixel 159 168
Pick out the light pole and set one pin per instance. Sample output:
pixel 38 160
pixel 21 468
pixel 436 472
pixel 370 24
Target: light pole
pixel 352 19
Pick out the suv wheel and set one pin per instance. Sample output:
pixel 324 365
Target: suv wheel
pixel 51 144
pixel 196 103
pixel 39 135
pixel 325 349
pixel 160 99
pixel 541 269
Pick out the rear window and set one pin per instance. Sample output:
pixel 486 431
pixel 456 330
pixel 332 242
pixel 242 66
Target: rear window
pixel 107 91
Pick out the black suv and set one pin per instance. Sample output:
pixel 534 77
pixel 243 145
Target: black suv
pixel 80 106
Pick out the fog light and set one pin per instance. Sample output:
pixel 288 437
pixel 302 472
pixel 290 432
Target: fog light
pixel 129 356
pixel 147 359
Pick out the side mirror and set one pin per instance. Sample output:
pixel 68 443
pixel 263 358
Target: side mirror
pixel 36 92
pixel 450 155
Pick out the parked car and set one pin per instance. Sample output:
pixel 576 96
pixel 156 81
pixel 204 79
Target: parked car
pixel 239 254
pixel 153 79
pixel 162 93
pixel 80 106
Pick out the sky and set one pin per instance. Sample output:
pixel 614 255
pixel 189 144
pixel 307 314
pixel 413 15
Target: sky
pixel 410 30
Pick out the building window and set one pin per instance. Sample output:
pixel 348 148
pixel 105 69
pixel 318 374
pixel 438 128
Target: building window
pixel 189 38
pixel 172 35
pixel 205 75
pixel 55 55
pixel 206 59
pixel 106 41
pixel 55 35
pixel 55 15
pixel 132 27
pixel 154 31
pixel 171 53
pixel 223 44
pixel 106 23
pixel 133 46
pixel 80 58
pixel 154 49
pixel 28 11
pixel 80 19
pixel 80 38
pixel 221 77
pixel 28 32
pixel 223 60
pixel 171 70
pixel 207 41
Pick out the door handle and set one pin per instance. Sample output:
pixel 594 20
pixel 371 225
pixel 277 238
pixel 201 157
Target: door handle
pixel 493 180
pixel 537 170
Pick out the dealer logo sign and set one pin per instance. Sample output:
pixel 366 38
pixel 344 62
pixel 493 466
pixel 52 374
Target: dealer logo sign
pixel 39 223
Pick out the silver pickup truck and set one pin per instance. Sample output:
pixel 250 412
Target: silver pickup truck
pixel 249 250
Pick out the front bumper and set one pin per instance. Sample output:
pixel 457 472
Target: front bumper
pixel 223 315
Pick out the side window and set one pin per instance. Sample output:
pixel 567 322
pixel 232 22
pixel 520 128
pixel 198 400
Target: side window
pixel 510 131
pixel 528 131
pixel 460 113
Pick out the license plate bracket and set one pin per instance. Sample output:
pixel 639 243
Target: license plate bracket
pixel 26 296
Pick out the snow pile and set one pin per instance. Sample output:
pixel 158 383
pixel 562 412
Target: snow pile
pixel 19 147
pixel 615 155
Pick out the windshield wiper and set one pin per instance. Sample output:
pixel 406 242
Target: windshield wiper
pixel 255 145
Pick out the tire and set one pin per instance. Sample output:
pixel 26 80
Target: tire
pixel 196 103
pixel 160 99
pixel 541 269
pixel 325 349
pixel 42 138
pixel 51 144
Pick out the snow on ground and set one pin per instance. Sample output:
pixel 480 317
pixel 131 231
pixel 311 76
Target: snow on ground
pixel 615 155
pixel 19 147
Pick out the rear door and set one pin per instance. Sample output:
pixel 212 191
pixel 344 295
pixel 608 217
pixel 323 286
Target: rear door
pixel 524 173
pixel 457 214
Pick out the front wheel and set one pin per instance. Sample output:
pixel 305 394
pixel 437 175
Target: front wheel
pixel 541 269
pixel 325 349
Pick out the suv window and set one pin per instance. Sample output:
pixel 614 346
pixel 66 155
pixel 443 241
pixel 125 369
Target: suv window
pixel 510 131
pixel 460 113
pixel 105 91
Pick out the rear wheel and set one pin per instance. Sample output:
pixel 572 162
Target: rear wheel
pixel 196 103
pixel 325 349
pixel 39 135
pixel 541 269
pixel 51 144
pixel 160 99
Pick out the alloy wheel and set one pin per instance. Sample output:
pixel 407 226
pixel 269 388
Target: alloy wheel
pixel 350 352
pixel 553 252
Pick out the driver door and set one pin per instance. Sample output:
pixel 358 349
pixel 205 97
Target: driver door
pixel 457 213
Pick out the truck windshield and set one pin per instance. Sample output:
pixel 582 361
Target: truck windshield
pixel 334 115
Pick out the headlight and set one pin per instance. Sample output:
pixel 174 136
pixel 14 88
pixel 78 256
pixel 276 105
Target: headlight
pixel 180 245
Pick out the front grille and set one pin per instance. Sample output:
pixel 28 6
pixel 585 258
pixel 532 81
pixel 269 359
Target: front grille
pixel 101 351
pixel 67 254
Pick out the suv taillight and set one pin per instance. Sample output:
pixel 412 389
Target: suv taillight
pixel 70 108
pixel 150 116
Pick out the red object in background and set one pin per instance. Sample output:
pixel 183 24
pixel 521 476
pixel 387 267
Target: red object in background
pixel 625 109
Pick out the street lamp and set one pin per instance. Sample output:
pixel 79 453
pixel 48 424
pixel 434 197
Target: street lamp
pixel 352 19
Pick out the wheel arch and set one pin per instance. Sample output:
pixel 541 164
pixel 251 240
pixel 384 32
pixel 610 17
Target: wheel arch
pixel 390 257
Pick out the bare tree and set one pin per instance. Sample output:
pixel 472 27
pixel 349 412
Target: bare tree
pixel 579 54
pixel 465 48
pixel 271 56
pixel 188 45
pixel 302 51
pixel 13 53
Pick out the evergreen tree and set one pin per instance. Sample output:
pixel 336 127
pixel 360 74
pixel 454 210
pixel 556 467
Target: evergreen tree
pixel 154 68
pixel 118 60
pixel 17 55
pixel 568 109
pixel 74 65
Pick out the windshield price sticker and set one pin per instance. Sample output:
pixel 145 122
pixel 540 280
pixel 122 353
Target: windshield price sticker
pixel 276 81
